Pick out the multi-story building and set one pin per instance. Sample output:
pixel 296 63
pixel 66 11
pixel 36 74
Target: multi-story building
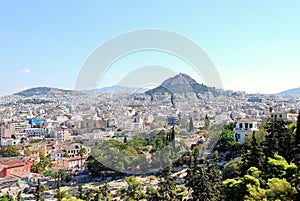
pixel 286 116
pixel 73 149
pixel 61 134
pixel 35 132
pixel 72 163
pixel 19 127
pixel 243 127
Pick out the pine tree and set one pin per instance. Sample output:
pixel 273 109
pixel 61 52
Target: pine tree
pixel 88 195
pixel 279 140
pixel 103 194
pixel 39 192
pixel 167 186
pixel 79 194
pixel 296 158
pixel 191 125
pixel 172 140
pixel 60 175
pixel 19 196
pixel 253 157
pixel 134 191
pixel 204 183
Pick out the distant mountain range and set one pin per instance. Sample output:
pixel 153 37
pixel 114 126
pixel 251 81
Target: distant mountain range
pixel 54 92
pixel 179 84
pixel 290 92
pixel 117 89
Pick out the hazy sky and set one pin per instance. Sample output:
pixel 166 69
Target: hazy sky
pixel 254 44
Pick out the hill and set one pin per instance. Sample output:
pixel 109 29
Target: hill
pixel 46 91
pixel 117 89
pixel 181 84
pixel 290 92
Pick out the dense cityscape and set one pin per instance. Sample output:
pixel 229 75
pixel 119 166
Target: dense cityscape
pixel 179 141
pixel 149 100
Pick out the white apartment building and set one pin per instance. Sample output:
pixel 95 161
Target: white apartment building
pixel 35 132
pixel 243 127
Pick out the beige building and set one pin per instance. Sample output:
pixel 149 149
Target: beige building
pixel 286 116
pixel 71 163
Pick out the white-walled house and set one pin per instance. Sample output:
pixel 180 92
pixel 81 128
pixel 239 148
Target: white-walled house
pixel 243 127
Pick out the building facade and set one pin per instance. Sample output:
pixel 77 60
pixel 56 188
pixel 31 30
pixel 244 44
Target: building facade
pixel 243 127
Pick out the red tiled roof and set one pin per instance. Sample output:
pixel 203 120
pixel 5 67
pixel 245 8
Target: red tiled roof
pixel 6 138
pixel 15 163
pixel 73 158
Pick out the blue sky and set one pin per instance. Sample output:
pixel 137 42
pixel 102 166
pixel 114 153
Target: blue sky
pixel 253 44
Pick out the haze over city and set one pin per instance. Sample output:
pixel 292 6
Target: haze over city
pixel 253 44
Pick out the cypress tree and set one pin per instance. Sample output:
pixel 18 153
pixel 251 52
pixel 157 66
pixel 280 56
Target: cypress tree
pixel 204 183
pixel 253 157
pixel 79 192
pixel 167 187
pixel 39 192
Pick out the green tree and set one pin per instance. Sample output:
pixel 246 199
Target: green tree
pixel 232 169
pixel 103 194
pixel 59 176
pixel 167 188
pixel 80 193
pixel 296 154
pixel 229 126
pixel 253 157
pixel 277 182
pixel 236 189
pixel 82 151
pixel 19 196
pixel 225 141
pixel 88 195
pixel 71 199
pixel 277 189
pixel 134 190
pixel 6 197
pixel 207 122
pixel 279 140
pixel 8 151
pixel 42 166
pixel 204 183
pixel 152 193
pixel 39 196
pixel 191 125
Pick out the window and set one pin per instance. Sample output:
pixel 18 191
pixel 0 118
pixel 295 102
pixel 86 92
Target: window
pixel 250 125
pixel 246 125
pixel 239 136
pixel 241 125
pixel 280 116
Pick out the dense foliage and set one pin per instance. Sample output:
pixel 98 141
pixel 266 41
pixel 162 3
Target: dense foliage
pixel 265 167
pixel 130 155
pixel 8 151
